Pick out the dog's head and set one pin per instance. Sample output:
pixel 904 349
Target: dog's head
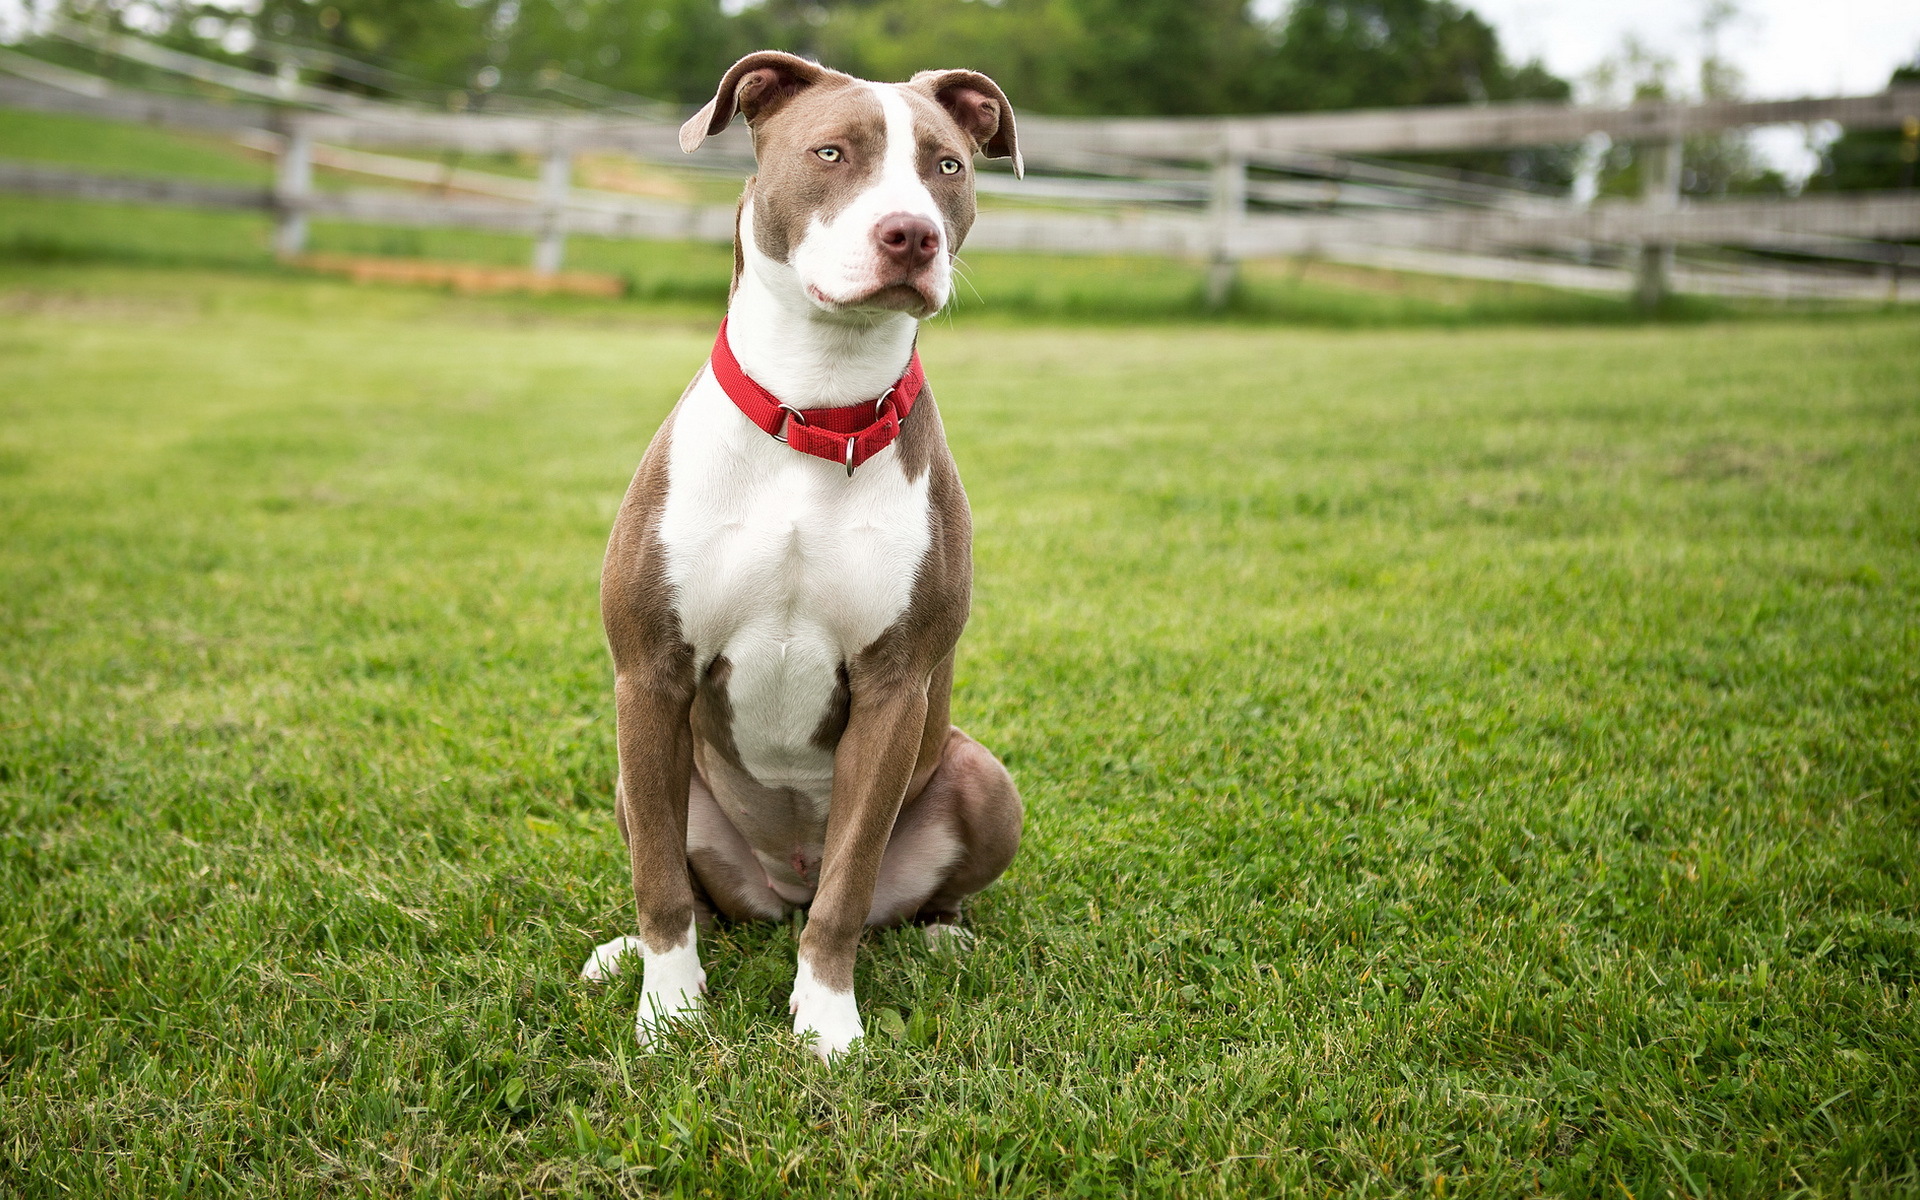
pixel 864 190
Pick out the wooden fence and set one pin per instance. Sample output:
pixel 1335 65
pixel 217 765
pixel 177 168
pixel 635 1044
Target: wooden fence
pixel 1162 186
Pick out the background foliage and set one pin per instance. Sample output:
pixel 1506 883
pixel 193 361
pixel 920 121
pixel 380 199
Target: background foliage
pixel 1871 158
pixel 1060 56
pixel 1067 57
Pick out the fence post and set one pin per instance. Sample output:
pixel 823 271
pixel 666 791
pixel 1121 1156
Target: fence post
pixel 292 186
pixel 556 176
pixel 1659 192
pixel 1228 207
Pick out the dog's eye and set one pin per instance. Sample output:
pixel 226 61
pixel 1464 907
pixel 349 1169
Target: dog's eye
pixel 829 153
pixel 949 166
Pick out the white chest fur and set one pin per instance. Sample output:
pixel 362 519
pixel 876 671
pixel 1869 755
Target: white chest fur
pixel 788 568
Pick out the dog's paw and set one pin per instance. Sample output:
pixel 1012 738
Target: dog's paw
pixel 671 991
pixel 828 1020
pixel 660 1007
pixel 609 958
pixel 947 939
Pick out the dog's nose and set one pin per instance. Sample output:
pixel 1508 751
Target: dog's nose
pixel 908 240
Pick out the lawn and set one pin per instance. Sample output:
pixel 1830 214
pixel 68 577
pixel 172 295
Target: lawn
pixel 1477 761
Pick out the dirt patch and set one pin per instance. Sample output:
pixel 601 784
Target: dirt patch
pixel 610 173
pixel 92 306
pixel 469 278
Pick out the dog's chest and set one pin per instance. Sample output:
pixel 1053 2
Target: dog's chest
pixel 786 568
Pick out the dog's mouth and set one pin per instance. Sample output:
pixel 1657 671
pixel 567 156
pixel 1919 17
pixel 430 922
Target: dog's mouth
pixel 914 298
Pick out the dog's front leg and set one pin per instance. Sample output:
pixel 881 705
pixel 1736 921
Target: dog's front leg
pixel 871 769
pixel 656 766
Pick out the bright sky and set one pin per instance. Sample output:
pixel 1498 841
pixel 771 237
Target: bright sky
pixel 1784 48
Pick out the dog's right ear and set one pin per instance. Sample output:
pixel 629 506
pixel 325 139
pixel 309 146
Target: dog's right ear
pixel 755 86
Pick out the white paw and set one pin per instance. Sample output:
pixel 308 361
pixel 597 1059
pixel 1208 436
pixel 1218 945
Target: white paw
pixel 605 961
pixel 947 939
pixel 657 1008
pixel 829 1018
pixel 671 990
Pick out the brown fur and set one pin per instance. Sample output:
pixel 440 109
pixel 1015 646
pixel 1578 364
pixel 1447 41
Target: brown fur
pixel 833 722
pixel 977 106
pixel 712 713
pixel 653 699
pixel 969 793
pixel 793 183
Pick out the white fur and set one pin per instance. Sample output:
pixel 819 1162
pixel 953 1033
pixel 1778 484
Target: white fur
pixel 781 562
pixel 608 958
pixel 809 356
pixel 838 260
pixel 831 1017
pixel 672 987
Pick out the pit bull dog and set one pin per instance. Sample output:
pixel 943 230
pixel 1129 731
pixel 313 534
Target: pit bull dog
pixel 790 570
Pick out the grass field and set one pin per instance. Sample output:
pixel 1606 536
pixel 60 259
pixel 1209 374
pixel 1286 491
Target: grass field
pixel 1465 762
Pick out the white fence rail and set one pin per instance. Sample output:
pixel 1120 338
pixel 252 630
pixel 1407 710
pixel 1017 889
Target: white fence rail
pixel 1182 184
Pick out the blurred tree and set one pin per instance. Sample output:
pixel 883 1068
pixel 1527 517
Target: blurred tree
pixel 1065 56
pixel 450 45
pixel 1034 48
pixel 1872 158
pixel 1379 53
pixel 1176 56
pixel 1136 57
pixel 1716 164
pixel 1329 54
pixel 1723 163
pixel 1167 56
pixel 668 49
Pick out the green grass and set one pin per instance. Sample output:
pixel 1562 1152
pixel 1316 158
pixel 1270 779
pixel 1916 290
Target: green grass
pixel 1457 761
pixel 129 149
pixel 996 288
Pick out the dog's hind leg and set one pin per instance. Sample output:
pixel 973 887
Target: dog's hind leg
pixel 956 837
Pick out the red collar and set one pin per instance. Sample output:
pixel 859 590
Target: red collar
pixel 848 436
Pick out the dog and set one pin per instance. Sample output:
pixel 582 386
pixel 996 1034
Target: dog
pixel 790 570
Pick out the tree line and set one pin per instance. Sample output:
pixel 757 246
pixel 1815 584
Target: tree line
pixel 1132 57
pixel 1066 57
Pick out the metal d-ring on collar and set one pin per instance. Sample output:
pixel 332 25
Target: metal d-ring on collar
pixel 793 414
pixel 879 410
pixel 767 411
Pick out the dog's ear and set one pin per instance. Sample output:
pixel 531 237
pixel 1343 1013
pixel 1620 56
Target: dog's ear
pixel 979 107
pixel 755 86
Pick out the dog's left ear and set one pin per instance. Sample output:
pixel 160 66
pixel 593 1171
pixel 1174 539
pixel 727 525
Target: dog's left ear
pixel 979 107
